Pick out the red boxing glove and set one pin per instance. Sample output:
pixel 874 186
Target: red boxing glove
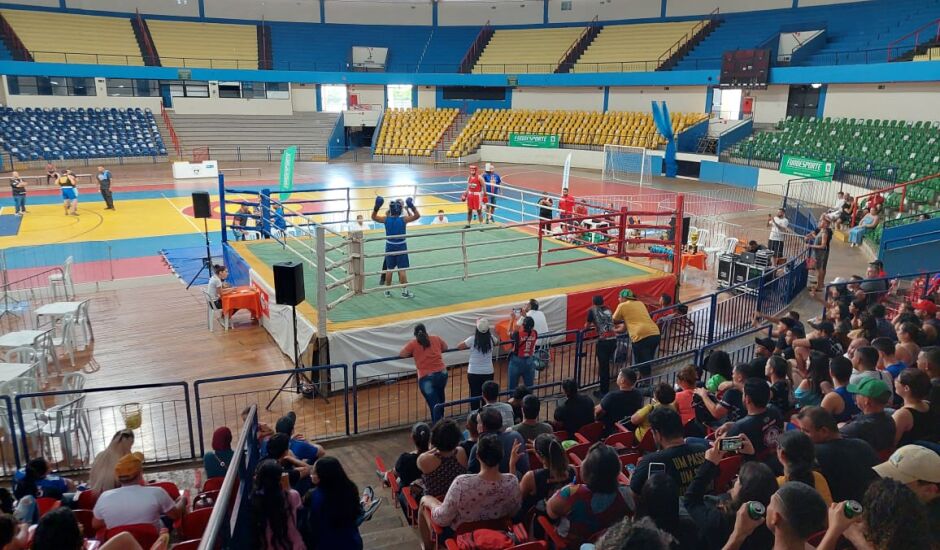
pixel 463 197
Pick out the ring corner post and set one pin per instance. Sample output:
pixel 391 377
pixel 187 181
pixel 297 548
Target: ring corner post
pixel 266 212
pixel 322 308
pixel 677 245
pixel 222 212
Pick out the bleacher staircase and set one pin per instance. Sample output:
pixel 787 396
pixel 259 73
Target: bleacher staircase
pixel 684 45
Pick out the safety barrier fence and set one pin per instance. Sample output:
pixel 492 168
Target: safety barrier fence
pixel 21 297
pixel 864 173
pixel 891 291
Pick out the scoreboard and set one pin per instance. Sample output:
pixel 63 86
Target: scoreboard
pixel 745 69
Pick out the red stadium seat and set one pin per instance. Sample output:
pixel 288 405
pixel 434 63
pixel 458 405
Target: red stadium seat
pixel 87 499
pixel 46 505
pixel 629 458
pixel 212 484
pixel 577 453
pixel 187 545
pixel 589 433
pixel 621 440
pixel 144 533
pixel 168 486
pixel 727 469
pixel 194 524
pixel 647 445
pixel 531 545
pixel 503 524
pixel 562 435
pixel 85 518
pixel 558 542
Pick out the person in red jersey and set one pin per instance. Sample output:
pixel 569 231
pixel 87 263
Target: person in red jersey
pixel 474 196
pixel 566 210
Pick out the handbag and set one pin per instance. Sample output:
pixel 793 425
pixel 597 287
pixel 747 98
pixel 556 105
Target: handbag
pixel 542 357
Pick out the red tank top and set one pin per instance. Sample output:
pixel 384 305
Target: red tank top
pixel 474 185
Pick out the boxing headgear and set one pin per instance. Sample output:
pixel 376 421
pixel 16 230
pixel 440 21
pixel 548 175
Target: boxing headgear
pixel 395 207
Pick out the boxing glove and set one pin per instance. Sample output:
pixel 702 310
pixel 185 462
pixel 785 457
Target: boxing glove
pixel 379 201
pixel 410 203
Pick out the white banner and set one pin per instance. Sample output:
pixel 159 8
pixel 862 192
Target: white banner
pixel 566 172
pixel 278 320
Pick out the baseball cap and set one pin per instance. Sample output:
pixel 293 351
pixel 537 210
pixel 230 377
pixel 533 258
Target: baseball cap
pixel 824 326
pixel 766 342
pixel 911 463
pixel 483 324
pixel 627 294
pixel 869 387
pixel 129 465
pixel 285 424
pixel 926 306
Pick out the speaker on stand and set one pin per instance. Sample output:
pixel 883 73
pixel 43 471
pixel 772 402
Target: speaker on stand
pixel 203 210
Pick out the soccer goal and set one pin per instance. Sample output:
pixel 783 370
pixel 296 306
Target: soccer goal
pixel 626 164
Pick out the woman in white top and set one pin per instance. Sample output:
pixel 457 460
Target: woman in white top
pixel 480 368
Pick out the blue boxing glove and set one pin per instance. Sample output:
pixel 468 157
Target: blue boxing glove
pixel 379 201
pixel 410 203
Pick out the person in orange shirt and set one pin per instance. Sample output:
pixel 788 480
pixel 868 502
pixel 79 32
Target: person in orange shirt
pixel 428 351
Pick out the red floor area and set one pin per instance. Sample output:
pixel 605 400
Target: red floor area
pixel 89 272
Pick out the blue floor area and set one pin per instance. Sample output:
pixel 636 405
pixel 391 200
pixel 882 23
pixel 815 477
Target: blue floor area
pixel 187 262
pixel 10 225
pixel 95 251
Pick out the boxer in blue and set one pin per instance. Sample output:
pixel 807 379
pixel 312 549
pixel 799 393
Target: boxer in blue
pixel 396 245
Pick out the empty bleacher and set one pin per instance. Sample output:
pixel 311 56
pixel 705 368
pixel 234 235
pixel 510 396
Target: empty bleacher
pixel 49 134
pixel 307 46
pixel 855 32
pixel 575 128
pixel 215 45
pixel 68 38
pixel 526 50
pixel 933 54
pixel 255 137
pixel 413 132
pixel 631 48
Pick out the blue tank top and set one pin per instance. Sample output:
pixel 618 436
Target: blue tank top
pixel 394 226
pixel 851 409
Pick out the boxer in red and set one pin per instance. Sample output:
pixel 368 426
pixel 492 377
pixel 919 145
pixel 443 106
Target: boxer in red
pixel 474 196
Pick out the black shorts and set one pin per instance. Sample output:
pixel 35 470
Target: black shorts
pixel 776 247
pixel 492 199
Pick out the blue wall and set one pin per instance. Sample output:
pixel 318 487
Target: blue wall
pixel 911 248
pixel 734 175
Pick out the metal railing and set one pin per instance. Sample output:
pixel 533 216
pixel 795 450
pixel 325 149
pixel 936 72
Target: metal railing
pixel 903 287
pixel 266 153
pixel 21 296
pixel 903 188
pixel 92 261
pixel 577 47
pixel 479 42
pixel 928 33
pixel 683 43
pixel 864 173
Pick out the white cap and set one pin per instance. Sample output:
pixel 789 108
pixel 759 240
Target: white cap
pixel 488 167
pixel 483 324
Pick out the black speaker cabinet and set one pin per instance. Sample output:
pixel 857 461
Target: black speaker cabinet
pixel 725 269
pixel 201 208
pixel 289 283
pixel 740 272
pixel 686 221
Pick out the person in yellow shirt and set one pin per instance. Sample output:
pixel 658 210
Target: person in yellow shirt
pixel 664 395
pixel 796 452
pixel 633 319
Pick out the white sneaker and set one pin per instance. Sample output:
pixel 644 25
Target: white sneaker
pixel 388 293
pixel 407 294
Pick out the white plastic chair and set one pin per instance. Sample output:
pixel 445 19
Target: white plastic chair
pixel 62 421
pixel 33 414
pixel 82 319
pixel 66 340
pixel 729 245
pixel 64 279
pixel 712 251
pixel 71 381
pixel 27 355
pixel 214 312
pixel 251 235
pixel 702 241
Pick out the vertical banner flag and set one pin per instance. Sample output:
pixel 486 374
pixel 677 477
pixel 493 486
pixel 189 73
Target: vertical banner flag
pixel 287 171
pixel 566 172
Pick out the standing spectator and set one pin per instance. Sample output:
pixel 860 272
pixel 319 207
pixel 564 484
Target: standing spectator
pixel 795 513
pixel 601 318
pixel 715 518
pixel 643 332
pixel 621 403
pixel 332 510
pixel 444 461
pixel 857 233
pixel 796 453
pixel 531 427
pixel 545 212
pixel 531 309
pixel 274 510
pixel 539 485
pixel 664 396
pixel 104 185
pixel 490 422
pixel 818 243
pixel 480 366
pixel 19 193
pixel 875 286
pixel 134 502
pixel 914 421
pixel 491 401
pixel 687 381
pixel 67 186
pixel 428 351
pixel 840 402
pixel 779 226
pixel 522 360
pixel 51 173
pixel 217 460
pixel 406 467
pixel 302 450
pixel 493 184
pixel 762 425
pixel 845 462
pixel 101 477
pixel 576 411
pixel 918 468
pixel 596 503
pixel 681 459
pixel 873 425
pixel 487 495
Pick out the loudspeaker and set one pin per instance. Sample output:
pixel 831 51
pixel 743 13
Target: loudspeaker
pixel 201 207
pixel 725 270
pixel 288 283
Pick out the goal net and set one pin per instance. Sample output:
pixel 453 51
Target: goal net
pixel 626 164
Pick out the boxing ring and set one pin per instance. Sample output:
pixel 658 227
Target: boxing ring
pixel 458 275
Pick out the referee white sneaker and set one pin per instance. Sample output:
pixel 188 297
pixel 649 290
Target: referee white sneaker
pixel 407 294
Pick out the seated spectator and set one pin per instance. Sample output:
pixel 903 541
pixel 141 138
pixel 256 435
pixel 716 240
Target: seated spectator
pixel 630 534
pixel 36 480
pixel 488 495
pixel 762 425
pixel 538 485
pixel 715 518
pixel 865 361
pixel 885 328
pixel 846 463
pixel 816 383
pixel 101 477
pixel 491 399
pixel 664 396
pixel 518 395
pixel 821 340
pixel 471 434
pixel 60 530
pixel 14 535
pixel 873 425
pixel 217 284
pixel 888 360
pixel 914 421
pixel 274 510
pixel 298 471
pixel 687 380
pixel 302 450
pixel 658 502
pixel 332 510
pixel 763 349
pixel 869 222
pixel 909 336
pixel 874 286
pixel 731 405
pixel 620 403
pixel 892 518
pixel 217 460
pixel 576 411
pixel 840 402
pixel 491 423
pixel 582 510
pixel 133 502
pixel 918 468
pixel 406 467
pixel 681 459
pixel 929 362
pixel 795 513
pixel 531 427
pixel 265 430
pixel 796 453
pixel 778 372
pixel 718 365
pixel 444 461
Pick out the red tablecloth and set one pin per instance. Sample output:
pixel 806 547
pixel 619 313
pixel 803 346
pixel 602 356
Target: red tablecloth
pixel 242 297
pixel 694 260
